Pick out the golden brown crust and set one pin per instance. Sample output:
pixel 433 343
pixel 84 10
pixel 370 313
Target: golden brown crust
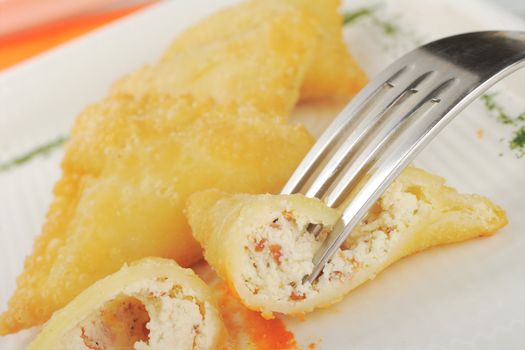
pixel 333 72
pixel 262 65
pixel 118 202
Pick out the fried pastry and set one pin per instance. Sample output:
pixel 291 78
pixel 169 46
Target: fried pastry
pixel 208 115
pixel 261 66
pixel 128 169
pixel 333 72
pixel 152 304
pixel 260 245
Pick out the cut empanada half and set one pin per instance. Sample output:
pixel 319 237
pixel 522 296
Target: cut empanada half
pixel 153 304
pixel 261 245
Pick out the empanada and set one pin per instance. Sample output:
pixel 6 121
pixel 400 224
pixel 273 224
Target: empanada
pixel 128 169
pixel 260 245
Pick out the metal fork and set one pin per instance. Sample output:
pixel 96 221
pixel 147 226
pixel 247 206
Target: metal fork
pixel 389 122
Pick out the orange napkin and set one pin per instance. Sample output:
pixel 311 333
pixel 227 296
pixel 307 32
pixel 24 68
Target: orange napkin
pixel 22 45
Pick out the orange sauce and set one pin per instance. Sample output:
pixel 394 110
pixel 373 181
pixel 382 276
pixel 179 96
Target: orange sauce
pixel 268 334
pixel 248 328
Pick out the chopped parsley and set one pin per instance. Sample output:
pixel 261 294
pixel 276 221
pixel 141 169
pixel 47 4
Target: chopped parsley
pixel 388 28
pixel 352 16
pixel 517 142
pixel 499 112
pixel 35 152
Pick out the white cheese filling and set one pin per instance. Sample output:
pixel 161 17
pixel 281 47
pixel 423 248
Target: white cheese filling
pixel 279 254
pixel 150 315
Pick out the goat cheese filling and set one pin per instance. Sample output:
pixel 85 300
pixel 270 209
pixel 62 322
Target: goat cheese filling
pixel 154 314
pixel 279 254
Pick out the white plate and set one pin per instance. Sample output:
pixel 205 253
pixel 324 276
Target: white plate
pixel 464 296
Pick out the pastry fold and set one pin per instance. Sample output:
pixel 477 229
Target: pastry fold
pixel 152 304
pixel 260 244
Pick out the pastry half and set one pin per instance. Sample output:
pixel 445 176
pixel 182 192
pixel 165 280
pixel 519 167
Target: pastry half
pixel 260 244
pixel 152 304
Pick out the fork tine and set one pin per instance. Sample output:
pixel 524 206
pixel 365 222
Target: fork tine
pixel 385 169
pixel 394 127
pixel 333 134
pixel 389 164
pixel 369 125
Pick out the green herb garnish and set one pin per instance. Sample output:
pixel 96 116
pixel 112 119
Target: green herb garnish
pixel 37 151
pixel 350 17
pixel 517 143
pixel 499 112
pixel 389 28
